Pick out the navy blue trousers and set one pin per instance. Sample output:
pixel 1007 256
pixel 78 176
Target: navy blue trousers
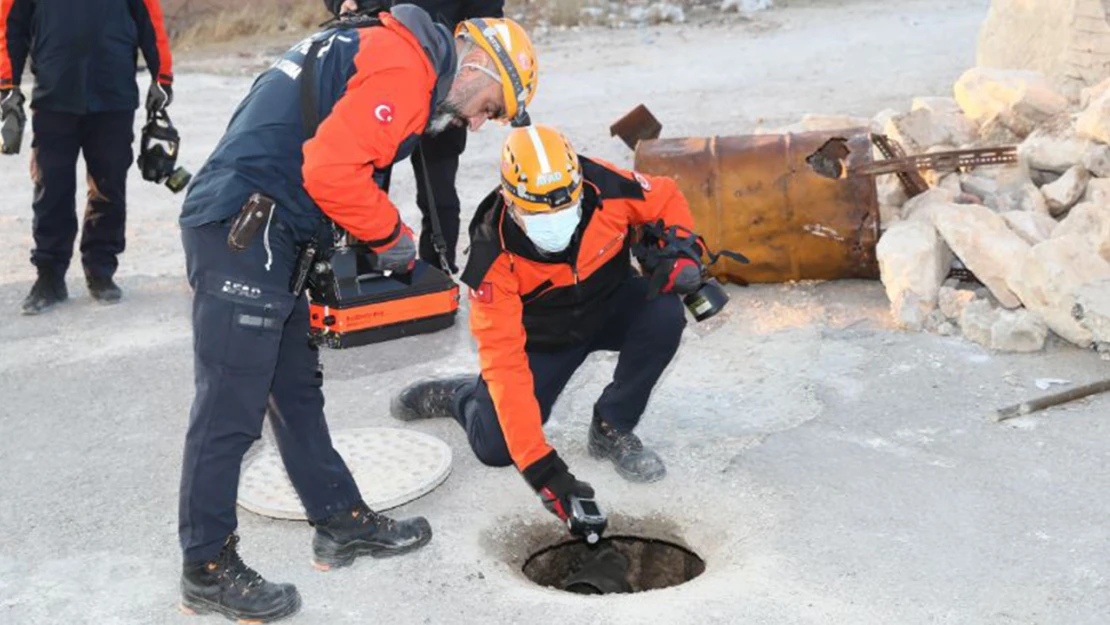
pixel 105 140
pixel 647 335
pixel 252 357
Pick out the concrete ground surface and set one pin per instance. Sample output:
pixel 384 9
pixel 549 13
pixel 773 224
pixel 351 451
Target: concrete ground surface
pixel 829 469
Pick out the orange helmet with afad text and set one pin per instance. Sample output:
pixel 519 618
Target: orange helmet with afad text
pixel 512 52
pixel 540 171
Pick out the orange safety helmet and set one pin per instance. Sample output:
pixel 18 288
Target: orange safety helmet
pixel 511 49
pixel 540 171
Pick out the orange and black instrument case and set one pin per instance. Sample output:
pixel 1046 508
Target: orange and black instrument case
pixel 350 304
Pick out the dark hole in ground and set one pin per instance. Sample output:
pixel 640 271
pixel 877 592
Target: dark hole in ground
pixel 615 565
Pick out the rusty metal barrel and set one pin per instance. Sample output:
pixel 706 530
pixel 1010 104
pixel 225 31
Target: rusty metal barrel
pixel 757 195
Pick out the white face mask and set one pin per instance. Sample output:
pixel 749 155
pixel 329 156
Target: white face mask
pixel 552 232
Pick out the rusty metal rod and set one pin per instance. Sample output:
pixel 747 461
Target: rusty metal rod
pixel 954 160
pixel 1048 401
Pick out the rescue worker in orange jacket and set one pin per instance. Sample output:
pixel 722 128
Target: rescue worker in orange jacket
pixel 314 134
pixel 551 280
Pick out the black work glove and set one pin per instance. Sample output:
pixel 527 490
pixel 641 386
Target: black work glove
pixel 12 120
pixel 398 256
pixel 158 97
pixel 554 483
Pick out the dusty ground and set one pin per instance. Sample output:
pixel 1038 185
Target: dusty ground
pixel 829 469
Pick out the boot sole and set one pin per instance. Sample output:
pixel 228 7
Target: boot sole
pixel 193 607
pixel 345 556
pixel 598 452
pixel 31 313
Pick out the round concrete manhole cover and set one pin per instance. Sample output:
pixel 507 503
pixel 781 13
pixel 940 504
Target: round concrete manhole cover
pixel 391 467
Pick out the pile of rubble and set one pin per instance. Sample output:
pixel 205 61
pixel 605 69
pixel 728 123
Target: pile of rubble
pixel 1035 236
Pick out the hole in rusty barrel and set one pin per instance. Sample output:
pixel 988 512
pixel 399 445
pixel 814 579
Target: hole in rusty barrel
pixel 831 160
pixel 621 564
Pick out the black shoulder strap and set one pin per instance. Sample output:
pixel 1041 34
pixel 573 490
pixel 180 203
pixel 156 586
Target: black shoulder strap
pixel 310 105
pixel 438 240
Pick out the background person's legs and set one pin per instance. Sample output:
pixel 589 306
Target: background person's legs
pixel 441 153
pixel 55 145
pixel 106 140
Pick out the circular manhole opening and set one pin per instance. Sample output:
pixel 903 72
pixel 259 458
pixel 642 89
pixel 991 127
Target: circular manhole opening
pixel 619 564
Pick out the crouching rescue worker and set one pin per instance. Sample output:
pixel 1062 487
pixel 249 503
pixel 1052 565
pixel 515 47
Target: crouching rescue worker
pixel 551 281
pixel 305 146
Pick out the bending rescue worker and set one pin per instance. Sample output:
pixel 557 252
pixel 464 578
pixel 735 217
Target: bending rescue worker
pixel 440 152
pixel 551 281
pixel 377 88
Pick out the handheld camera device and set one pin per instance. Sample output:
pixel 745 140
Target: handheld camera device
pixel 158 150
pixel 586 519
pixel 660 246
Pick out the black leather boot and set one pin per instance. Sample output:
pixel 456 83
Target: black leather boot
pixel 229 587
pixel 344 536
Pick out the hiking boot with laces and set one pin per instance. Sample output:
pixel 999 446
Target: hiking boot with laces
pixel 49 289
pixel 343 537
pixel 624 449
pixel 229 587
pixel 427 399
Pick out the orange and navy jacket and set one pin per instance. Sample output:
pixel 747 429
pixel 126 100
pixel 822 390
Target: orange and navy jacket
pixel 523 301
pixel 375 90
pixel 83 52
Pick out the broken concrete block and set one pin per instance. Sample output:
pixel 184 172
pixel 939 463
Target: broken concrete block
pixel 1094 122
pixel 890 190
pixel 888 216
pixel 879 121
pixel 1018 331
pixel 983 187
pixel 1092 309
pixel 1054 147
pixel 818 123
pixel 934 321
pixel 1066 192
pixel 937 105
pixel 951 182
pixel 976 321
pixel 1097 161
pixel 920 207
pixel 921 129
pixel 1041 177
pixel 1003 189
pixel 913 263
pixel 995 133
pixel 1092 93
pixel 951 301
pixel 984 243
pixel 1021 99
pixel 1031 226
pixel 1098 191
pixel 1091 221
pixel 1049 279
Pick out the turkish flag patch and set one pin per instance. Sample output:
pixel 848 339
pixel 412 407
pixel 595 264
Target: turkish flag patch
pixel 643 181
pixel 483 294
pixel 384 113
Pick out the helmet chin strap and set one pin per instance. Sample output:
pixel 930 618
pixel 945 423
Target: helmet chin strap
pixel 485 70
